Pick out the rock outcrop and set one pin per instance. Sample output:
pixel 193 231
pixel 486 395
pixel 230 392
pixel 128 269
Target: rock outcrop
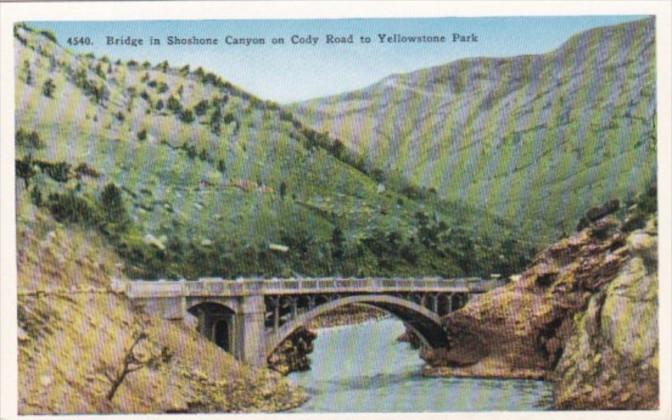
pixel 519 330
pixel 292 354
pixel 611 361
pixel 584 314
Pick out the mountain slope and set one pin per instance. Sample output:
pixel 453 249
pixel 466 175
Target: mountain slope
pixel 536 138
pixel 74 333
pixel 189 176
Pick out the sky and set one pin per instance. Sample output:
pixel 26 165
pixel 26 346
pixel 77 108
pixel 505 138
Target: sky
pixel 294 72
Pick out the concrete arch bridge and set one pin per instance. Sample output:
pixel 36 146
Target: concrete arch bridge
pixel 251 317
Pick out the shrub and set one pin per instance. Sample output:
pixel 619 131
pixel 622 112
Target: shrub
pixel 36 196
pixel 24 169
pixel 187 116
pixel 86 170
pixel 229 118
pixel 59 171
pixel 142 135
pixel 48 88
pixel 100 72
pixel 216 120
pixel 49 35
pixel 28 74
pixel 201 108
pixel 283 189
pixel 71 208
pixel 112 205
pixel 174 105
pixel 32 139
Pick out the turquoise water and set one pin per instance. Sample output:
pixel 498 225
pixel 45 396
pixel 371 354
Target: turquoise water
pixel 362 368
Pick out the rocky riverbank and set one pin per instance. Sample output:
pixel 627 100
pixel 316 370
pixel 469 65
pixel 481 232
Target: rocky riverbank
pixel 583 315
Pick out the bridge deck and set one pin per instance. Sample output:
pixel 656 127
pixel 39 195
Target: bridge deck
pixel 297 286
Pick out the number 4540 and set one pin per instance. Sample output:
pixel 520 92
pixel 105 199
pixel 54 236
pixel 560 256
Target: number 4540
pixel 79 40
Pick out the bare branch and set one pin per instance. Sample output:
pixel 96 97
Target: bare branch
pixel 132 364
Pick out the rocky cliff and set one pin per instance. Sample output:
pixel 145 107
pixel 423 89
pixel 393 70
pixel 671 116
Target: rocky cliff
pixel 584 314
pixel 611 361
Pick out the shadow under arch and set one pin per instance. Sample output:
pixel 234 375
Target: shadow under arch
pixel 425 323
pixel 215 322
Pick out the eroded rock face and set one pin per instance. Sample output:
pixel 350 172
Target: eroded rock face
pixel 611 361
pixel 520 330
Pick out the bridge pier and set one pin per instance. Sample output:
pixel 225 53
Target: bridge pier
pixel 250 336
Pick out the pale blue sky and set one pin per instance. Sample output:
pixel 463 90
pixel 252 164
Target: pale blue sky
pixel 296 72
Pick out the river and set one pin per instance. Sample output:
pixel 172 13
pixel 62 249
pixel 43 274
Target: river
pixel 362 368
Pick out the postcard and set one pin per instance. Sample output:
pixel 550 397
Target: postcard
pixel 336 207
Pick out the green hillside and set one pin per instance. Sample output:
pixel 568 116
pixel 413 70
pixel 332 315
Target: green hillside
pixel 536 139
pixel 187 175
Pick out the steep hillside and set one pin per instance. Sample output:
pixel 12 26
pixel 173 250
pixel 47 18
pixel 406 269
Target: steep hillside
pixel 536 139
pixel 186 175
pixel 74 334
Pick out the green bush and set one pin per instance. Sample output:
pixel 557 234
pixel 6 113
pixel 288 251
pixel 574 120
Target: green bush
pixel 24 169
pixel 49 35
pixel 201 108
pixel 48 88
pixel 71 208
pixel 174 105
pixel 187 116
pixel 112 205
pixel 142 135
pixel 28 139
pixel 59 171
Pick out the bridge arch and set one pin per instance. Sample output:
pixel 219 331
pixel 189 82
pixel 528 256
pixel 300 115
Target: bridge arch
pixel 425 323
pixel 216 321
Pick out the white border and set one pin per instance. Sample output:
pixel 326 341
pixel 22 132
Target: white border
pixel 15 12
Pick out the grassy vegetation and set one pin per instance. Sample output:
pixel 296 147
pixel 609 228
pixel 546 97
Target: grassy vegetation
pixel 534 139
pixel 74 335
pixel 186 175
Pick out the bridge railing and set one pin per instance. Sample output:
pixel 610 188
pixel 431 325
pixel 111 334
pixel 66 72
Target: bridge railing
pixel 242 287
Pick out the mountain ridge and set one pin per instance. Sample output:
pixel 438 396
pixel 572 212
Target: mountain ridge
pixel 453 121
